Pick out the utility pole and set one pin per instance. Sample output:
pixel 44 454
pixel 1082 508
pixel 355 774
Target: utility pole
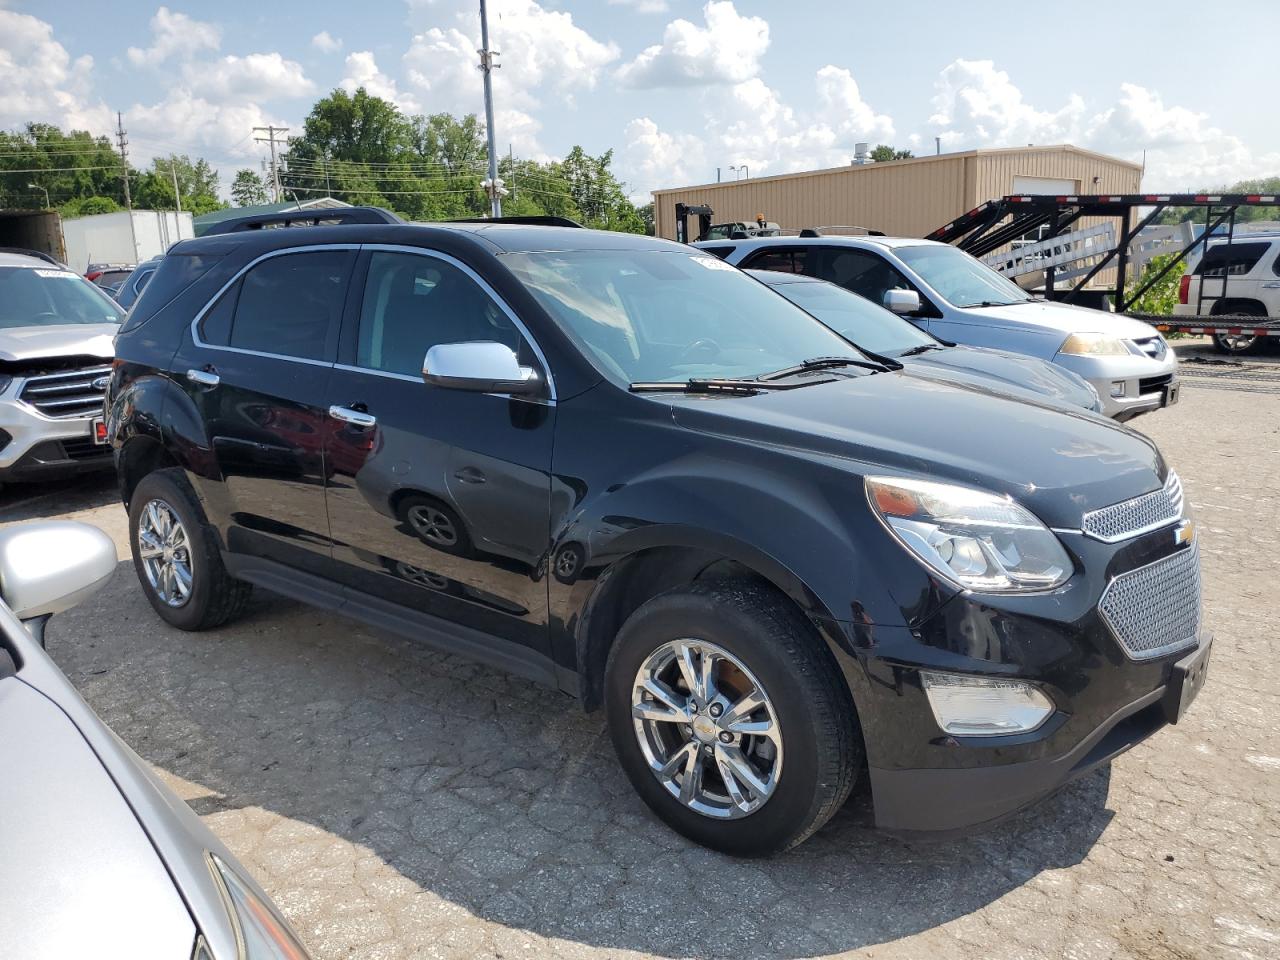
pixel 124 171
pixel 511 158
pixel 493 186
pixel 275 162
pixel 177 197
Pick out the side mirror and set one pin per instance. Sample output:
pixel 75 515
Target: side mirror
pixel 51 565
pixel 902 302
pixel 482 366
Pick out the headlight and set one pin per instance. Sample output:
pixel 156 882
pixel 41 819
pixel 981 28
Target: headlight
pixel 260 934
pixel 978 540
pixel 984 706
pixel 1094 345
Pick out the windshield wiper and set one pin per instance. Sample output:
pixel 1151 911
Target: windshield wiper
pixel 822 363
pixel 714 386
pixel 922 348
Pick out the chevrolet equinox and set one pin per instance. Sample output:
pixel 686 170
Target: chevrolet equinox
pixel 625 468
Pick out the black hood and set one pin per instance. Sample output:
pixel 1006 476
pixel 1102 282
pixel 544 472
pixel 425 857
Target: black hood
pixel 1060 464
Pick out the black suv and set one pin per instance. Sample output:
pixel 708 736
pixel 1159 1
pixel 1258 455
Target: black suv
pixel 623 467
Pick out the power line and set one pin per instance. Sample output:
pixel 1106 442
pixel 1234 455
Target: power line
pixel 275 160
pixel 4 170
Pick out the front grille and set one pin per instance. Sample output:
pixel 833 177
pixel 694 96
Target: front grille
pixel 1126 519
pixel 1153 347
pixel 1155 609
pixel 69 393
pixel 1152 384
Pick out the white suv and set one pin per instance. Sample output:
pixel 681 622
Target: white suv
pixel 1241 278
pixel 56 332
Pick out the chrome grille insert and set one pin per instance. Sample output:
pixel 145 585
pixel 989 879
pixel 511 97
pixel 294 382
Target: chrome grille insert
pixel 1126 519
pixel 1155 610
pixel 66 394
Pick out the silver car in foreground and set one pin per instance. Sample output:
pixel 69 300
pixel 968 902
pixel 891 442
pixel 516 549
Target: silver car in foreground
pixel 954 297
pixel 98 859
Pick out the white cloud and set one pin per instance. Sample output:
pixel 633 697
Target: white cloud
pixel 752 126
pixel 727 50
pixel 642 6
pixel 978 105
pixel 40 81
pixel 258 76
pixel 175 33
pixel 325 43
pixel 543 52
pixel 362 71
pixel 186 123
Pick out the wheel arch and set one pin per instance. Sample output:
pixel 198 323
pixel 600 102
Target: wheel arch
pixel 659 560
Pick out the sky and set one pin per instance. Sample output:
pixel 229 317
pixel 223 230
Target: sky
pixel 676 88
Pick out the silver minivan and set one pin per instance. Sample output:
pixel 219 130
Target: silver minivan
pixel 955 297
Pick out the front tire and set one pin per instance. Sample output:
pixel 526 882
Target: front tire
pixel 731 718
pixel 175 555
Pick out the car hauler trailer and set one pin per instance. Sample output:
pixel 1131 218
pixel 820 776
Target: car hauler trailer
pixel 996 224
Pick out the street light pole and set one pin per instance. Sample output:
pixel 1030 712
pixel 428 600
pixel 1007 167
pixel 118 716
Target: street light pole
pixel 487 66
pixel 36 186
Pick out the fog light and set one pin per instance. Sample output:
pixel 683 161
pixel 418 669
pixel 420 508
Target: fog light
pixel 1117 388
pixel 984 707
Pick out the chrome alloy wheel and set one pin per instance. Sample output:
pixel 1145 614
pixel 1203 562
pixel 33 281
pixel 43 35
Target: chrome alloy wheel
pixel 165 553
pixel 707 729
pixel 1236 343
pixel 433 525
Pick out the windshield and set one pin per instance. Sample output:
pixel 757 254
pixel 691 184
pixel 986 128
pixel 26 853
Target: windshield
pixel 650 315
pixel 38 297
pixel 857 318
pixel 958 278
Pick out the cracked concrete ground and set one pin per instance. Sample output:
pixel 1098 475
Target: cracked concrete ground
pixel 401 804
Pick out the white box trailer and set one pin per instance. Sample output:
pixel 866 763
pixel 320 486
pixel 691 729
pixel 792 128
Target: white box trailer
pixel 123 237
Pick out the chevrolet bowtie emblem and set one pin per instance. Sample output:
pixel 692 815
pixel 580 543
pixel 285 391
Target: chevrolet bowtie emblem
pixel 1185 532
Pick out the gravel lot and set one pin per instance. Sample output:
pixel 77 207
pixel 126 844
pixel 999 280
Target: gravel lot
pixel 399 804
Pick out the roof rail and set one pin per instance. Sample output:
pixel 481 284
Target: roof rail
pixel 303 218
pixel 38 254
pixel 530 221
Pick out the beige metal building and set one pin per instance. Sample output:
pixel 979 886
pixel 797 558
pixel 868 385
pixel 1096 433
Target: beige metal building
pixel 902 197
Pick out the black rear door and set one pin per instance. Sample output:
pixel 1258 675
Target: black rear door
pixel 257 367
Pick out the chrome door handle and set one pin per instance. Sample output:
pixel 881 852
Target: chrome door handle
pixel 356 418
pixel 470 475
pixel 205 378
pixel 1274 285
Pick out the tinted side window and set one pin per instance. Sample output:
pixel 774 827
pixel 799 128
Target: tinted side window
pixel 291 304
pixel 865 273
pixel 215 325
pixel 1231 259
pixel 413 302
pixel 174 274
pixel 721 252
pixel 780 259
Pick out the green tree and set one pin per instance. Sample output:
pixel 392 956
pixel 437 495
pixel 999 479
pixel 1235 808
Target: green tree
pixel 70 166
pixel 1161 298
pixel 88 206
pixel 598 193
pixel 882 153
pixel 646 216
pixel 1265 185
pixel 248 189
pixel 197 183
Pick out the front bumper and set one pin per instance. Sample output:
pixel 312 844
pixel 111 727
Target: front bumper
pixel 1147 384
pixel 1107 693
pixel 939 803
pixel 33 446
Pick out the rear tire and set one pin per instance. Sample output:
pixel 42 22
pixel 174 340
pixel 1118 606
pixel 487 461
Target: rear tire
pixel 1240 345
pixel 804 766
pixel 162 502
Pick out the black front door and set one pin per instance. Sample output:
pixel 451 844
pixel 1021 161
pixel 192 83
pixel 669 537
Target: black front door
pixel 258 371
pixel 438 499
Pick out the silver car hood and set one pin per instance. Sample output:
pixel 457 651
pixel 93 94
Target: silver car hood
pixel 79 875
pixel 1063 317
pixel 58 340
